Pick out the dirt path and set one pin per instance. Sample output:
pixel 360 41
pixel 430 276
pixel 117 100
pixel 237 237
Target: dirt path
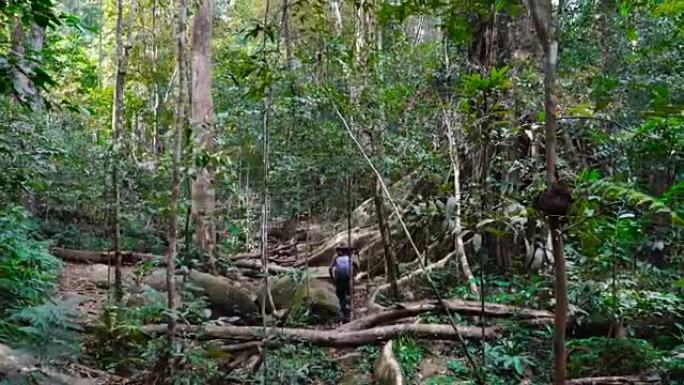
pixel 76 281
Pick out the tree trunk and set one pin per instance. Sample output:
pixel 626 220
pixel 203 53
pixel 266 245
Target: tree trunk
pixel 176 179
pixel 458 239
pixel 390 257
pixel 19 72
pixel 541 11
pixel 332 338
pixel 337 16
pixel 122 54
pixel 203 194
pixel 37 41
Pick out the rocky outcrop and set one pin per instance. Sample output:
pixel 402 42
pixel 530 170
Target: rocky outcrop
pixel 20 368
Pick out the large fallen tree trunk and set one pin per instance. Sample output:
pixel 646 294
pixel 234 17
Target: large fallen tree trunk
pixel 332 338
pixel 617 380
pixel 323 254
pixel 256 265
pixel 459 306
pixel 104 257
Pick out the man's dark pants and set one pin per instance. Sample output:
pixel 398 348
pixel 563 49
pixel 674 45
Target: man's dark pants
pixel 342 285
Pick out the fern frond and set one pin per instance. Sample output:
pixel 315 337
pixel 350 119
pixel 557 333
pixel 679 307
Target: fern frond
pixel 616 191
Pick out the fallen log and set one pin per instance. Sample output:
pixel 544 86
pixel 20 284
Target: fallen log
pixel 331 338
pixel 256 265
pixel 404 310
pixel 617 380
pixel 104 257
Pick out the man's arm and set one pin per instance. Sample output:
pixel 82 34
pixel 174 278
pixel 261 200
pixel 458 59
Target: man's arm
pixel 330 268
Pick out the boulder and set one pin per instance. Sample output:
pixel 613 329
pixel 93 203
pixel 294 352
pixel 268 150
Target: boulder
pixel 282 292
pixel 323 305
pixel 20 368
pixel 99 275
pixel 226 298
pixel 157 280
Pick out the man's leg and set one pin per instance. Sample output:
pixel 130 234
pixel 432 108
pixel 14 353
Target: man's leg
pixel 341 295
pixel 346 311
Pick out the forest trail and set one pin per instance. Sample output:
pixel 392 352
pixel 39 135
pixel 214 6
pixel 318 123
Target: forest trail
pixel 87 284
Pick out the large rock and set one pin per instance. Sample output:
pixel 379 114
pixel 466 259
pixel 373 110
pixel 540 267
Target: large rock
pixel 282 291
pixel 157 280
pixel 323 305
pixel 226 298
pixel 16 368
pixel 101 275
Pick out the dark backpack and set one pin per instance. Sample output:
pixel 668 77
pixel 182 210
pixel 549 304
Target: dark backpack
pixel 343 266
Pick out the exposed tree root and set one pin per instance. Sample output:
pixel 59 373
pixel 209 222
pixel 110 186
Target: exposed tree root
pixel 540 317
pixel 387 370
pixel 332 338
pixel 616 380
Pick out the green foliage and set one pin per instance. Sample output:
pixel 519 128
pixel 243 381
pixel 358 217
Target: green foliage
pixel 299 365
pixel 605 357
pixel 409 354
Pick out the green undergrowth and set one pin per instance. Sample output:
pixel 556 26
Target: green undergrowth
pixel 30 316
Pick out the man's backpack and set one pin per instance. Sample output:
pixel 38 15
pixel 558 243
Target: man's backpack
pixel 343 266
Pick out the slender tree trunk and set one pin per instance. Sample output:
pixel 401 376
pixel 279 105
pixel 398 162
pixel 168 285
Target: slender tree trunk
pixel 337 16
pixel 390 255
pixel 203 194
pixel 122 54
pixel 286 33
pixel 458 239
pixel 541 11
pixel 177 153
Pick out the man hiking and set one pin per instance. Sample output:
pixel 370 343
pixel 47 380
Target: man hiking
pixel 341 271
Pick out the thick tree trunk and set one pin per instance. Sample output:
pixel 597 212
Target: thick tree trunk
pixel 203 194
pixel 176 179
pixel 332 338
pixel 37 42
pixel 19 72
pixel 122 54
pixel 541 11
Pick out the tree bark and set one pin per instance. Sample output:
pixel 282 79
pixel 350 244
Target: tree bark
pixel 332 338
pixel 122 54
pixel 203 194
pixel 176 179
pixel 541 11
